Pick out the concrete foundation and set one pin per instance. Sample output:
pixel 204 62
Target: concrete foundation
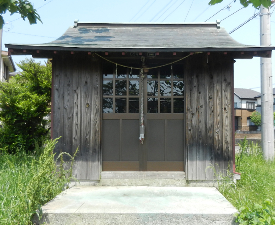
pixel 138 205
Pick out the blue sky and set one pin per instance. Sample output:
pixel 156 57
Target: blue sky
pixel 58 15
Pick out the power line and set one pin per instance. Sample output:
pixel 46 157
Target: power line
pixel 201 13
pixel 226 7
pixel 37 9
pixel 161 10
pixel 174 10
pixel 188 10
pixel 232 13
pixel 28 34
pixel 145 10
pixel 248 20
pixel 140 10
pixel 245 22
pixel 167 9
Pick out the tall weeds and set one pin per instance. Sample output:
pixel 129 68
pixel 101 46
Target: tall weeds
pixel 29 181
pixel 254 194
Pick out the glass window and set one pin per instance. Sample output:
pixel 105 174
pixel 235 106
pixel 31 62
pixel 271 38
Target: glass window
pixel 165 88
pixel 250 105
pixel 133 105
pixel 120 105
pixel 133 87
pixel 178 105
pixel 107 87
pixel 178 88
pixel 121 87
pixel 165 105
pixel 107 105
pixel 152 105
pixel 152 88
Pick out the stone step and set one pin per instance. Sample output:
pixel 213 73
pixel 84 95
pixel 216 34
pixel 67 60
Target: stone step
pixel 98 205
pixel 142 178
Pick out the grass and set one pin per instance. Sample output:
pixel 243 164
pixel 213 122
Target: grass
pixel 27 182
pixel 254 194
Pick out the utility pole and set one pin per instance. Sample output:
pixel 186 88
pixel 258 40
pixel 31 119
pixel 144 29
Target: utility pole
pixel 266 88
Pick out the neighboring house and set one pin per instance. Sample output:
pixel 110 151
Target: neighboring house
pixel 244 105
pixel 7 66
pixel 259 103
pixel 110 80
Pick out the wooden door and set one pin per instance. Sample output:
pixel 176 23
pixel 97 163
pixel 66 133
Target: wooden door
pixel 157 98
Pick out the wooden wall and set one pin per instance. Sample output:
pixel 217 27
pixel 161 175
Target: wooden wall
pixel 208 95
pixel 76 111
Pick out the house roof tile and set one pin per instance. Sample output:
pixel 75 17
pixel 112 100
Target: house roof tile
pixel 149 37
pixel 244 93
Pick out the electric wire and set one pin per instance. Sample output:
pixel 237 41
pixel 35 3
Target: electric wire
pixel 174 10
pixel 226 7
pixel 28 34
pixel 248 20
pixel 232 14
pixel 167 9
pixel 161 10
pixel 202 13
pixel 36 9
pixel 145 10
pixel 139 10
pixel 189 10
pixel 245 22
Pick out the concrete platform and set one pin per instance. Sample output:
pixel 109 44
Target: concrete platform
pixel 98 205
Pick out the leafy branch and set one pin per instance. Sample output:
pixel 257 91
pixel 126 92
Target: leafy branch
pixel 23 7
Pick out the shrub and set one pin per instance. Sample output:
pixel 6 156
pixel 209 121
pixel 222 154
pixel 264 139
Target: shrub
pixel 24 103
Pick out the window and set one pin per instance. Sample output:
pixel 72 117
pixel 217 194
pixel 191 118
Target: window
pixel 250 105
pixel 235 105
pixel 163 90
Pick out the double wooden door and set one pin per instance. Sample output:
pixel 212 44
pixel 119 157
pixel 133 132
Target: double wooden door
pixel 155 99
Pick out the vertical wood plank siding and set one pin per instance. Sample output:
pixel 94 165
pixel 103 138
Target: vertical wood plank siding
pixel 76 105
pixel 208 86
pixel 76 112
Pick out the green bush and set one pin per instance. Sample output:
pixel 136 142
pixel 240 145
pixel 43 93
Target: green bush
pixel 24 103
pixel 28 181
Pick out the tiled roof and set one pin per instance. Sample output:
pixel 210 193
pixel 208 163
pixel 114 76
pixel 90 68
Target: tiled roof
pixel 199 37
pixel 246 93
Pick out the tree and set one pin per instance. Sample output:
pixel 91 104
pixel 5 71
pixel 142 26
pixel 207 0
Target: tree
pixel 245 3
pixel 24 103
pixel 23 7
pixel 256 118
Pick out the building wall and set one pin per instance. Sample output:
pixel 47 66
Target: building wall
pixel 243 124
pixel 76 113
pixel 209 115
pixel 238 101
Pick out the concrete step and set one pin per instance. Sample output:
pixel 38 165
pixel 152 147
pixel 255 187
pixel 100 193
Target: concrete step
pixel 142 178
pixel 98 205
